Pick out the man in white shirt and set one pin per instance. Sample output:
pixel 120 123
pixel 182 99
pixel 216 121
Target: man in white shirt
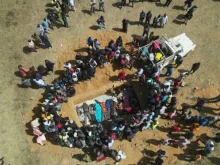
pixel 40 82
pixel 163 20
pixel 31 46
pixel 139 73
pixel 40 29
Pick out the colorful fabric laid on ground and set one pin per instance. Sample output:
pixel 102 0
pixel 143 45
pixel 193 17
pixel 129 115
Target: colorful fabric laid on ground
pixel 98 114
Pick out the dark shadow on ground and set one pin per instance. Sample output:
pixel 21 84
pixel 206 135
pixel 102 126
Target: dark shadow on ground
pixel 117 29
pixel 85 49
pixel 17 73
pixel 146 161
pixel 48 10
pixel 153 141
pixel 113 78
pixel 49 5
pixel 86 12
pixel 94 27
pixel 182 70
pixel 214 160
pixel 117 4
pixel 78 157
pixel 178 7
pixel 180 16
pixel 178 22
pixel 26 50
pixel 159 4
pixel 133 22
pixel 59 72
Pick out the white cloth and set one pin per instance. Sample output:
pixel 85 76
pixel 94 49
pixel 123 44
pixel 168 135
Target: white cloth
pixel 140 72
pixel 165 19
pixel 40 82
pixel 40 29
pixel 40 139
pixel 75 78
pixel 121 155
pixel 209 145
pixel 162 110
pixel 31 44
pixel 35 123
pixel 110 144
pixel 71 2
pixel 167 84
pixel 151 56
pixel 67 65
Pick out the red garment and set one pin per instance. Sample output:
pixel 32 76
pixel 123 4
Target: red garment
pixel 100 157
pixel 72 69
pixel 123 60
pixel 157 79
pixel 111 55
pixel 59 126
pixel 176 84
pixel 103 107
pixel 121 75
pixel 176 128
pixel 156 45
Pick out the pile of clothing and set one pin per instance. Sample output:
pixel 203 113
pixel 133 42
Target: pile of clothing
pixel 96 112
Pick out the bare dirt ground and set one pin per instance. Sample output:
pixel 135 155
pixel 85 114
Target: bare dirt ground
pixel 18 21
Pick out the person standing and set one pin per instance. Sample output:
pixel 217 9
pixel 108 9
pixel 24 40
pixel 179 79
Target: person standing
pixel 168 3
pixel 65 9
pixel 63 15
pixel 195 67
pixel 45 25
pixel 49 65
pixel 188 3
pixel 178 61
pixel 92 6
pixel 163 20
pixel 141 18
pixel 89 42
pixel 101 22
pixel 123 3
pixel 96 44
pixel 101 5
pixel 72 5
pixel 148 17
pixel 146 30
pixel 52 18
pixel 45 40
pixel 37 39
pixel 58 12
pixel 189 14
pixel 31 46
pixel 169 71
pixel 40 29
pixel 125 25
pixel 121 75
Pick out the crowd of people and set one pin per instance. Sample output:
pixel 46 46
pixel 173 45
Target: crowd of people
pixel 161 97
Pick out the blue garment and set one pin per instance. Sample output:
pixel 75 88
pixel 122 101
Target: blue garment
pixel 144 52
pixel 98 114
pixel 142 15
pixel 203 122
pixel 108 105
pixel 89 41
pixel 45 24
